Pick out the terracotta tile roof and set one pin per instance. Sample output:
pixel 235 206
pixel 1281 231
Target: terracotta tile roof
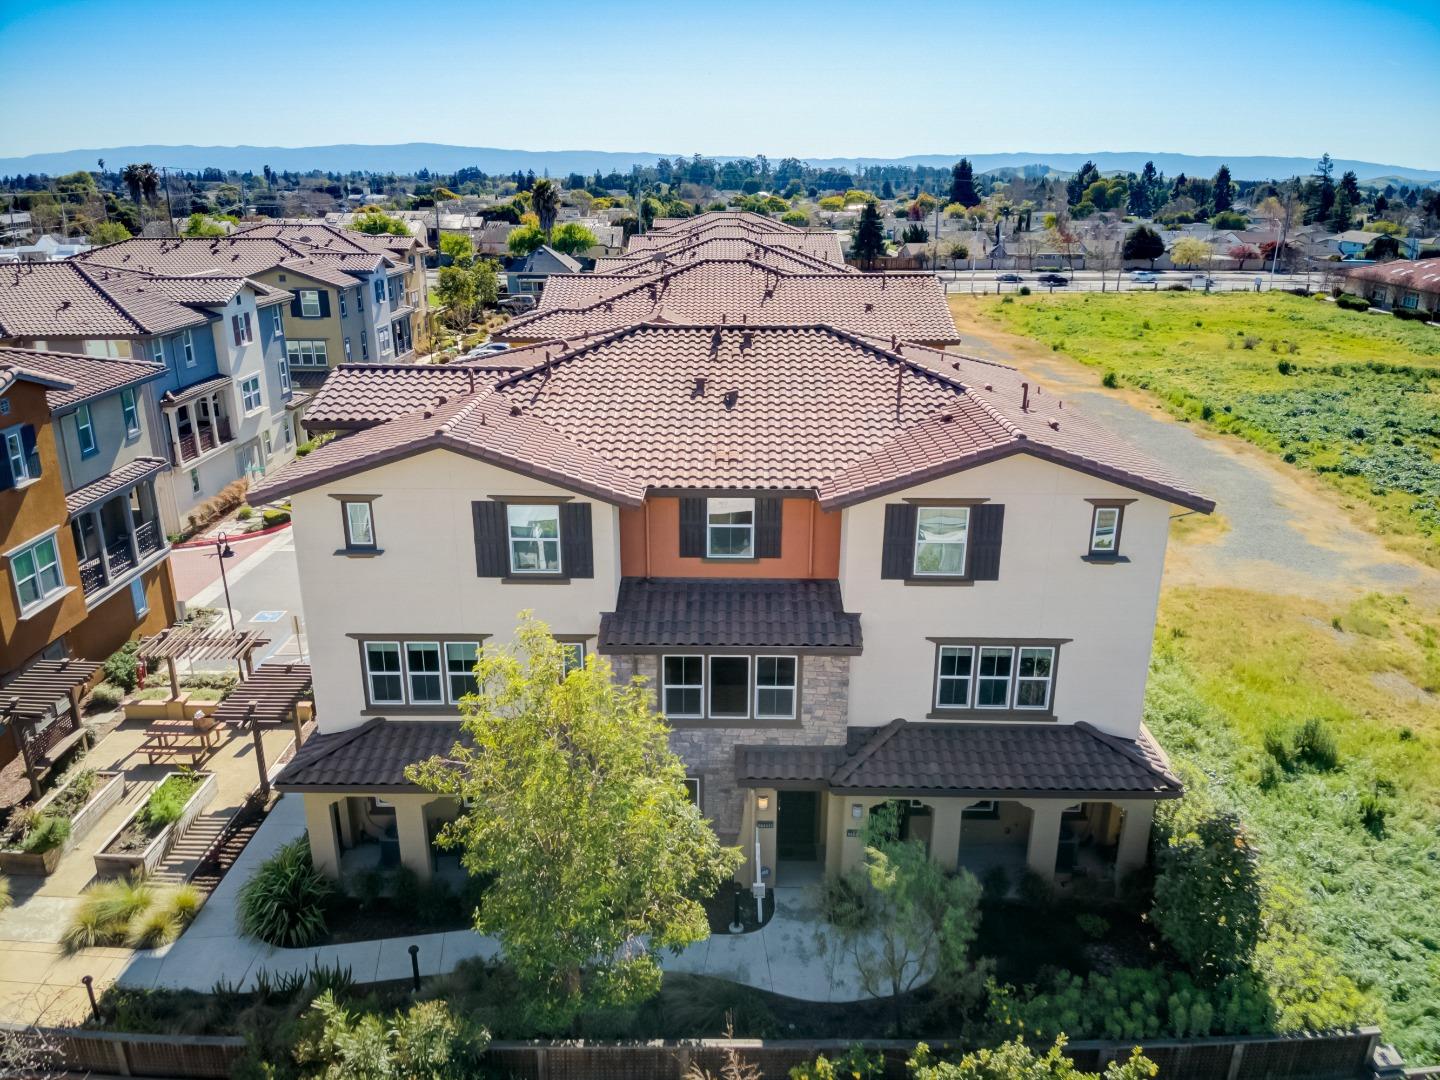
pixel 185 256
pixel 706 612
pixel 911 305
pixel 1422 275
pixel 88 377
pixel 14 368
pixel 983 760
pixel 804 408
pixel 113 483
pixel 321 235
pixel 72 299
pixel 758 222
pixel 339 272
pixel 356 396
pixel 821 245
pixel 194 390
pixel 786 259
pixel 370 757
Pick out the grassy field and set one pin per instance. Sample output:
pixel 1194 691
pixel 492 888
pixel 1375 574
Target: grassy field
pixel 1236 675
pixel 1351 396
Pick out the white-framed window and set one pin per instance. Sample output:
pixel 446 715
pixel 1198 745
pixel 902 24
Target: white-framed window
pixel 341 294
pixel 307 353
pixel 250 393
pixel 187 344
pixel 383 672
pixel 157 350
pixel 572 657
pixel 730 528
pixel 194 481
pixel 285 427
pixel 422 667
pixel 985 808
pixel 682 682
pixel 359 517
pixel 460 657
pixel 775 686
pixel 284 365
pixel 18 456
pixel 1034 676
pixel 379 291
pixel 692 788
pixel 729 685
pixel 35 569
pixel 940 540
pixel 241 328
pixel 534 532
pixel 278 320
pixel 267 444
pixel 364 345
pixel 382 339
pixel 85 431
pixel 138 599
pixel 992 680
pixel 359 298
pixel 130 411
pixel 309 303
pixel 1105 530
pixel 954 674
pixel 347 349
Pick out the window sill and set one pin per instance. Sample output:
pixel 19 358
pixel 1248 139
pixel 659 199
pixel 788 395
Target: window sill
pixel 685 724
pixel 50 601
pixel 411 710
pixel 938 579
pixel 982 715
pixel 731 559
pixel 1104 559
pixel 359 552
pixel 535 579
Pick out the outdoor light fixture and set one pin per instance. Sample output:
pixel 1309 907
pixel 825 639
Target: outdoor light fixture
pixel 857 811
pixel 763 802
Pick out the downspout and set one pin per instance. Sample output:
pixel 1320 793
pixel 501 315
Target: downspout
pixel 814 509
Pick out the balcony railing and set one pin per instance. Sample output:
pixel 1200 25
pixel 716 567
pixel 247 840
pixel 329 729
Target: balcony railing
pixel 40 744
pixel 204 439
pixel 92 575
pixel 148 538
pixel 119 557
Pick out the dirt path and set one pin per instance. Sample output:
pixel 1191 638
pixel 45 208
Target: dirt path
pixel 1278 529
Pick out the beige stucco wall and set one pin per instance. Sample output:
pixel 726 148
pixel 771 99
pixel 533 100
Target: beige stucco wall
pixel 1045 590
pixel 425 581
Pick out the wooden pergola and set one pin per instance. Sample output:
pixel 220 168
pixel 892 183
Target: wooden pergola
pixel 36 695
pixel 194 643
pixel 269 697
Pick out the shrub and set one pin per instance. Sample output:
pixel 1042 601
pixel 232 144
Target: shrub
pixel 165 920
pixel 1412 313
pixel 122 666
pixel 6 899
pixel 284 902
pixel 1373 812
pixel 1024 290
pixel 245 513
pixel 995 883
pixel 1314 745
pixel 1352 303
pixel 1093 926
pixel 1035 890
pixel 167 802
pixel 1110 381
pixel 272 518
pixel 106 696
pixel 1015 1060
pixel 106 912
pixel 854 1064
pixel 47 834
pixel 844 901
pixel 426 1042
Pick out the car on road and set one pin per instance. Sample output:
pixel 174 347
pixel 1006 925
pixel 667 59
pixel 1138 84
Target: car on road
pixel 490 348
pixel 1009 279
pixel 1143 275
pixel 1053 279
pixel 517 305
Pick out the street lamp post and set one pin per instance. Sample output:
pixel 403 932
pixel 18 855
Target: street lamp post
pixel 223 551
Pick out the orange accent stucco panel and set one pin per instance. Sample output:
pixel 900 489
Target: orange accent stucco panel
pixel 650 544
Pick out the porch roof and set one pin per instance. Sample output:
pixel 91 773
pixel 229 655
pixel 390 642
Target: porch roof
pixel 172 398
pixel 368 758
pixel 113 483
pixel 38 691
pixel 268 697
pixel 980 760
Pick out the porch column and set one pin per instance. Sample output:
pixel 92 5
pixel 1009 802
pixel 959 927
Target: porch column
pixel 129 527
pixel 1044 844
pixel 414 837
pixel 99 534
pixel 172 424
pixel 945 832
pixel 320 826
pixel 1134 843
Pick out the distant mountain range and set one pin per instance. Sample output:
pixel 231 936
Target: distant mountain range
pixel 409 157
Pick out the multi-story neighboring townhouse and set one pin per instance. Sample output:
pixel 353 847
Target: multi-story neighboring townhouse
pixel 854 572
pixel 910 307
pixel 222 407
pixel 785 259
pixel 83 554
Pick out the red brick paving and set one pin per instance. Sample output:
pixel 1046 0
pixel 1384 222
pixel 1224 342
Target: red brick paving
pixel 195 568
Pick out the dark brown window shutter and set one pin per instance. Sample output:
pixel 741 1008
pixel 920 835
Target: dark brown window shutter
pixel 692 527
pixel 295 304
pixel 324 303
pixel 577 555
pixel 897 558
pixel 767 527
pixel 987 522
pixel 492 553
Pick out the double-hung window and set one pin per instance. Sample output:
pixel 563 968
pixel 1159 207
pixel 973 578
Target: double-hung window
pixel 343 312
pixel 278 320
pixel 775 687
pixel 1034 675
pixel 18 457
pixel 941 533
pixel 422 665
pixel 992 681
pixel 460 657
pixel 729 687
pixel 382 339
pixel 187 344
pixel 379 291
pixel 310 303
pixel 382 670
pixel 157 350
pixel 953 676
pixel 534 532
pixel 359 517
pixel 364 345
pixel 250 393
pixel 85 431
pixel 130 411
pixel 240 327
pixel 682 680
pixel 1105 531
pixel 284 365
pixel 36 571
pixel 730 528
pixel 306 353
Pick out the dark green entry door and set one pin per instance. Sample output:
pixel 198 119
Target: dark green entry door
pixel 797 827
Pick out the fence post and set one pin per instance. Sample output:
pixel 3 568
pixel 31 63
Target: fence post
pixel 1237 1058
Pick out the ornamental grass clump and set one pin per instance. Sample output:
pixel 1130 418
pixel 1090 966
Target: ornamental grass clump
pixel 284 902
pixel 105 913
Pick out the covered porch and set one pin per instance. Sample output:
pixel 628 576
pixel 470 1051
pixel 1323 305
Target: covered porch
pixel 116 526
pixel 198 419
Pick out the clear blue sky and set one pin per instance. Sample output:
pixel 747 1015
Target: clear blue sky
pixel 832 78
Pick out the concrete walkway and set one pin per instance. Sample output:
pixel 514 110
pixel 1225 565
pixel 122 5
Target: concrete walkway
pixel 795 954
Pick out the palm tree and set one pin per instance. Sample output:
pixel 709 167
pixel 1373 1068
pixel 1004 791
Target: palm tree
pixel 545 201
pixel 130 176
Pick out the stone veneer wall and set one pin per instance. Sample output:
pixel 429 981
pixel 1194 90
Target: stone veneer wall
pixel 709 752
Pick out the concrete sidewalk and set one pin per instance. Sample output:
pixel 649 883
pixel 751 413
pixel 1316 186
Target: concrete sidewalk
pixel 796 954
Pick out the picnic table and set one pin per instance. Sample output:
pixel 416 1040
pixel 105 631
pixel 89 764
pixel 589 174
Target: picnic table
pixel 166 739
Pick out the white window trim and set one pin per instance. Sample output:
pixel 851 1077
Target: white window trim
pixel 14 442
pixel 963 544
pixel 565 647
pixel 307 295
pixel 370 674
pixel 559 541
pixel 278 319
pixel 1048 680
pixel 137 594
pixel 667 686
pixel 85 426
pixel 45 599
pixel 350 542
pixel 449 687
pixel 1009 678
pixel 188 344
pixel 410 675
pixel 793 687
pixel 709 549
pixel 969 680
pixel 245 394
pixel 749 684
pixel 157 350
pixel 130 407
pixel 1114 548
pixel 696 784
pixel 284 367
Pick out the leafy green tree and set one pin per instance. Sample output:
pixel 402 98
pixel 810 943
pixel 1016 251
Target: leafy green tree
pixel 1224 190
pixel 108 232
pixel 572 238
pixel 1076 185
pixel 962 184
pixel 376 222
pixel 1342 213
pixel 1016 1061
pixel 915 233
pixel 958 253
pixel 867 242
pixel 425 1042
pixel 525 239
pixel 460 249
pixel 1143 242
pixel 577 814
pixel 200 225
pixel 1383 247
pixel 545 202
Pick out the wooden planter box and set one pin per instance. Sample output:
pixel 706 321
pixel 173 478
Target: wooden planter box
pixel 111 785
pixel 116 864
pixel 148 710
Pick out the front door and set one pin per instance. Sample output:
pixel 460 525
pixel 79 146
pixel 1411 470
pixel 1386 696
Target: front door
pixel 797 826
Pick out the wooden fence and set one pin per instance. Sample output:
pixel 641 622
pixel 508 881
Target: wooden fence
pixel 1344 1055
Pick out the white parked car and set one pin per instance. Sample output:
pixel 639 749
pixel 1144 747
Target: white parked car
pixel 1143 275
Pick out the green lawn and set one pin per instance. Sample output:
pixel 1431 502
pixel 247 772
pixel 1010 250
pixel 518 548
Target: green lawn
pixel 1233 667
pixel 1354 397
